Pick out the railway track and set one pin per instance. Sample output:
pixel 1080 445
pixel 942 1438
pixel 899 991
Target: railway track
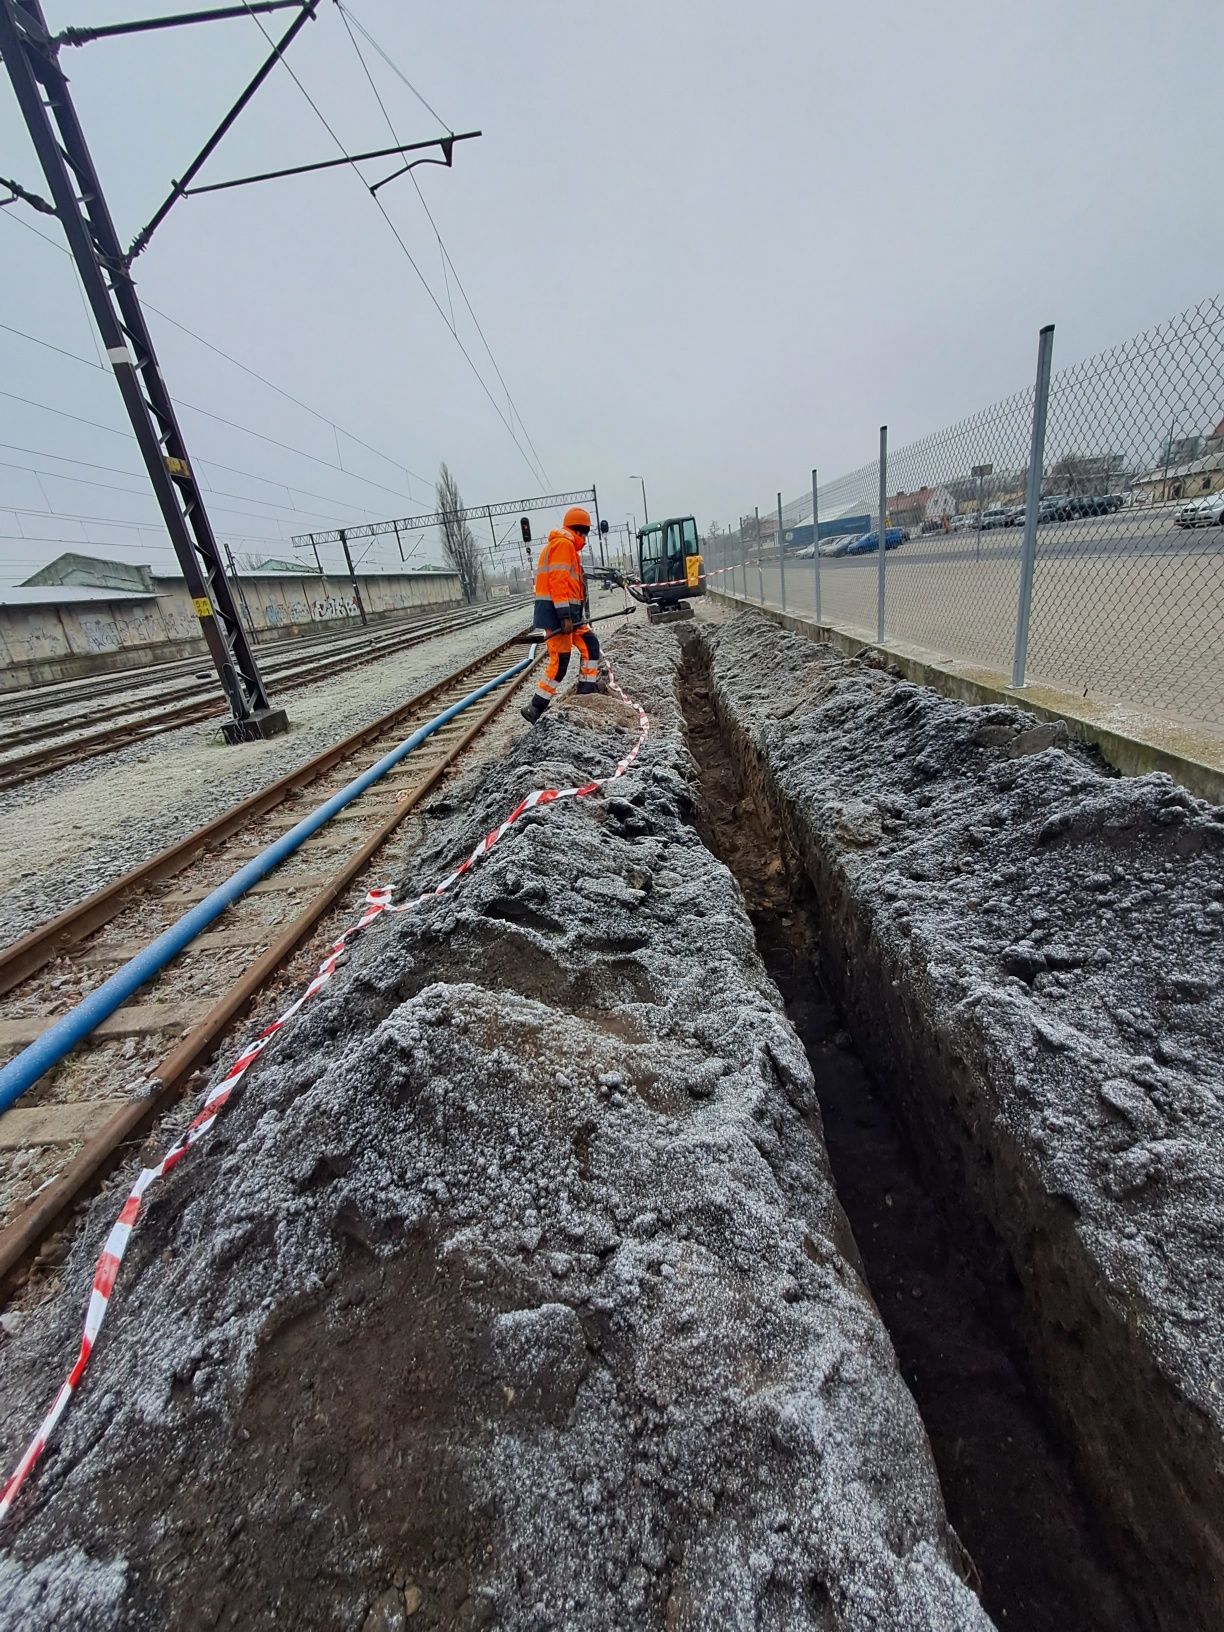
pixel 70 694
pixel 48 747
pixel 68 1131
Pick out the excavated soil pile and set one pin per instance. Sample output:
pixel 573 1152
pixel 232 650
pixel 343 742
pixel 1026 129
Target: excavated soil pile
pixel 513 1291
pixel 1030 956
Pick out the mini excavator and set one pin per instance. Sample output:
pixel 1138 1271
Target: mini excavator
pixel 670 569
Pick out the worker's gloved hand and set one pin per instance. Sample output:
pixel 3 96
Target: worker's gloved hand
pixel 567 624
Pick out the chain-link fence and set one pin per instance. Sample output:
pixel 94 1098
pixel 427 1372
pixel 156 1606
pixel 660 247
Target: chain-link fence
pixel 1102 575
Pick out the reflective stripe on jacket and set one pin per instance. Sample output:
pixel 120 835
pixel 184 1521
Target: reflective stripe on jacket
pixel 560 584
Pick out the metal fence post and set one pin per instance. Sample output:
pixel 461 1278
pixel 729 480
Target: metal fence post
pixel 1032 499
pixel 743 560
pixel 880 538
pixel 816 539
pixel 756 512
pixel 781 554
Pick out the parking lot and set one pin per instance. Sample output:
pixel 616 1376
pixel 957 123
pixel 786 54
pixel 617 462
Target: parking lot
pixel 1128 532
pixel 1127 608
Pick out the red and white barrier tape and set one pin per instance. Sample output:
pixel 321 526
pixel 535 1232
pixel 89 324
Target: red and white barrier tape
pixel 378 901
pixel 671 583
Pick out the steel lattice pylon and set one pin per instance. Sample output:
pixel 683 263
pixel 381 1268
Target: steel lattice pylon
pixel 32 59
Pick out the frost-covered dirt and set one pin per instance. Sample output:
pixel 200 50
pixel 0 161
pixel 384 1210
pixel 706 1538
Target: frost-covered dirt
pixel 513 1291
pixel 1031 955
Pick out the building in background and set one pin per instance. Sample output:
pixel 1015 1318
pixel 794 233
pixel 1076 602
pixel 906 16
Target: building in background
pixel 83 614
pixel 92 572
pixel 1180 482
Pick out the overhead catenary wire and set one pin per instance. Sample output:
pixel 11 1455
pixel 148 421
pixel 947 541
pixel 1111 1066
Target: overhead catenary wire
pixel 63 413
pixel 537 475
pixel 123 521
pixel 395 136
pixel 350 21
pixel 288 395
pixel 326 419
pixel 351 16
pixel 305 570
pixel 48 345
pixel 194 408
pixel 136 493
pixel 288 488
pixel 480 331
pixel 25 538
pixel 209 464
pixel 113 431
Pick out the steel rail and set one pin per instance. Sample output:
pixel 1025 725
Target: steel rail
pixel 290 666
pixel 147 676
pixel 40 946
pixel 56 756
pixel 23 1236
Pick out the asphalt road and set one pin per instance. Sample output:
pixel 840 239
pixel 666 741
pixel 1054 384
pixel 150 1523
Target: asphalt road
pixel 1127 533
pixel 1126 608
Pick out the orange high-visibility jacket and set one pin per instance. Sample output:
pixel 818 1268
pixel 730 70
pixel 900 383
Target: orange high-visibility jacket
pixel 560 584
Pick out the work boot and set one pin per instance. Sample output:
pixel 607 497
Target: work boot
pixel 586 688
pixel 534 709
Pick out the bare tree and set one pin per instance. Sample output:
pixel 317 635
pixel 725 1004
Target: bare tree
pixel 458 540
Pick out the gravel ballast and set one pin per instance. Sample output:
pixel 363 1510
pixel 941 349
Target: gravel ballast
pixel 75 831
pixel 513 1291
pixel 1030 953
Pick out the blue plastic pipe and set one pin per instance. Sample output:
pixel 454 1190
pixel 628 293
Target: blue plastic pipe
pixel 38 1057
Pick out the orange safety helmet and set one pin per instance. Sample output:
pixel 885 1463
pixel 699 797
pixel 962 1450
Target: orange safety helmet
pixel 577 517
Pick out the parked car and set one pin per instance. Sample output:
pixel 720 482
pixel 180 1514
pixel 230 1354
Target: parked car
pixel 962 524
pixel 805 552
pixel 838 546
pixel 1205 511
pixel 1014 516
pixel 995 517
pixel 869 543
pixel 1055 507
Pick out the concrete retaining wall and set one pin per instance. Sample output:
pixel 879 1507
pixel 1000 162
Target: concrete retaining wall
pixel 1191 755
pixel 72 639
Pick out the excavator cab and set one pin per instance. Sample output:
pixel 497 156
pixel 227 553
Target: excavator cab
pixel 670 568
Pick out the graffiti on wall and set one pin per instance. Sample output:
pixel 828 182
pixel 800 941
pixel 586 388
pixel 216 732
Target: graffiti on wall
pixel 133 629
pixel 101 634
pixel 290 612
pixel 279 616
pixel 335 606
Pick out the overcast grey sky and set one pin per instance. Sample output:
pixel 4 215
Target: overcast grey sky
pixel 711 244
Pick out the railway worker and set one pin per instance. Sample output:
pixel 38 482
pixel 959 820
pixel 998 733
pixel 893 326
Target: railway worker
pixel 561 612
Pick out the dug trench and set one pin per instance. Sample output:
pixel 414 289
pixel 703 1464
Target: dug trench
pixel 1007 1480
pixel 1028 955
pixel 512 1291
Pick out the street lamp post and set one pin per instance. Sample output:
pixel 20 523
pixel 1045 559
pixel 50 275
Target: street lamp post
pixel 645 512
pixel 979 471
